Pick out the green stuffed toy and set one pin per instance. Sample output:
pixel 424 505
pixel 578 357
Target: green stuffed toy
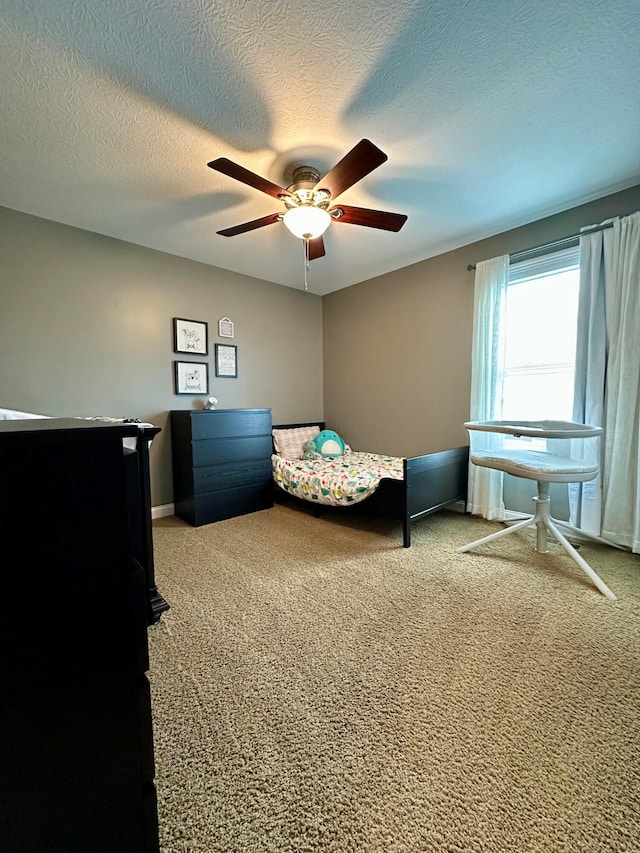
pixel 329 444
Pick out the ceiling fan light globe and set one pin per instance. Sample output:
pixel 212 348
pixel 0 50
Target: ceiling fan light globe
pixel 307 222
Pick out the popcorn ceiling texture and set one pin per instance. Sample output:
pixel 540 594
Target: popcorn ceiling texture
pixel 492 114
pixel 317 688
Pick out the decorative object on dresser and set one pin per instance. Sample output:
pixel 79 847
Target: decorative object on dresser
pixel 76 737
pixel 191 377
pixel 221 463
pixel 226 361
pixel 190 336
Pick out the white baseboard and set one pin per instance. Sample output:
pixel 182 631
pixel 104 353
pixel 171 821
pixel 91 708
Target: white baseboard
pixel 162 510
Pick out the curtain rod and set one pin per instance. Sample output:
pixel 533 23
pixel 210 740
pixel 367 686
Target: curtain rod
pixel 554 244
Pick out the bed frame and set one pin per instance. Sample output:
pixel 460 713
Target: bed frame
pixel 430 483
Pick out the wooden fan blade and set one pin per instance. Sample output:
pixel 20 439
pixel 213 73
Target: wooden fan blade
pixel 251 226
pixel 316 248
pixel 233 170
pixel 362 159
pixel 370 218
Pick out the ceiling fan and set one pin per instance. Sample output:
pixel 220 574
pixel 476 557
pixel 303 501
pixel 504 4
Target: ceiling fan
pixel 310 201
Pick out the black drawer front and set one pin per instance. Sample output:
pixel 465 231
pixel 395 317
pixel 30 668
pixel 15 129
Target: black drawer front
pixel 150 809
pixel 147 764
pixel 213 451
pixel 215 478
pixel 220 505
pixel 138 598
pixel 228 423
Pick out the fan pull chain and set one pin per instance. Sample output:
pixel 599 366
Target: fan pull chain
pixel 306 262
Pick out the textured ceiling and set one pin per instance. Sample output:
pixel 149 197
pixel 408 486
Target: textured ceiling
pixel 493 113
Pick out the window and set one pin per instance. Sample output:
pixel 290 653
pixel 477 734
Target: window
pixel 540 337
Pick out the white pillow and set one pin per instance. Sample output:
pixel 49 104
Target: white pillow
pixel 290 442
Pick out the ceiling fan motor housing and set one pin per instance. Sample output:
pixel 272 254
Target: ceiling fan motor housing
pixel 305 176
pixel 301 192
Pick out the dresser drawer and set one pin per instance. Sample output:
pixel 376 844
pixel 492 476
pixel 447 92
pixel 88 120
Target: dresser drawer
pixel 212 451
pixel 147 764
pixel 138 599
pixel 150 805
pixel 213 478
pixel 226 423
pixel 217 506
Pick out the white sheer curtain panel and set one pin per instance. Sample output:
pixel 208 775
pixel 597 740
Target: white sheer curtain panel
pixel 492 276
pixel 608 380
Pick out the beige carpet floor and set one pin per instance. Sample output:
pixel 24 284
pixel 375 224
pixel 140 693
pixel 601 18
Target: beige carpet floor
pixel 317 687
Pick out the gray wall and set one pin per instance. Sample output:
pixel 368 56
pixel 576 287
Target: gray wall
pixel 397 349
pixel 86 329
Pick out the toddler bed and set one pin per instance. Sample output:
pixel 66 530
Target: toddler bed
pixel 406 489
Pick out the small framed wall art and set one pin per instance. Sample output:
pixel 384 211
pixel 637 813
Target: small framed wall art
pixel 191 377
pixel 190 336
pixel 227 361
pixel 225 327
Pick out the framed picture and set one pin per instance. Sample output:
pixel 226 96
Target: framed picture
pixel 225 327
pixel 190 336
pixel 227 361
pixel 192 377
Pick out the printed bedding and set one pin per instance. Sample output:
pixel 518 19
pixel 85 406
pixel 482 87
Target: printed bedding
pixel 344 480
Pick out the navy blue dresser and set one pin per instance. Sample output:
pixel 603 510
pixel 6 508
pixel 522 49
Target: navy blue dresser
pixel 221 463
pixel 76 737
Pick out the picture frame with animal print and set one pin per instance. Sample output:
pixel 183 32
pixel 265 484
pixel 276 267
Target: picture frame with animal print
pixel 191 377
pixel 190 336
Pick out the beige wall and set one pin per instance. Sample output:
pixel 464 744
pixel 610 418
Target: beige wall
pixel 397 349
pixel 86 329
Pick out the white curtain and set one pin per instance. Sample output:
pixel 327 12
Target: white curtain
pixel 608 379
pixel 492 276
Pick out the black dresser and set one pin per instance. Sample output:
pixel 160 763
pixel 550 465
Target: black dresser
pixel 138 473
pixel 76 739
pixel 221 463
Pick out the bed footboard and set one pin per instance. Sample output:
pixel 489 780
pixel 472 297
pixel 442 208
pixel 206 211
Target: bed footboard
pixel 432 482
